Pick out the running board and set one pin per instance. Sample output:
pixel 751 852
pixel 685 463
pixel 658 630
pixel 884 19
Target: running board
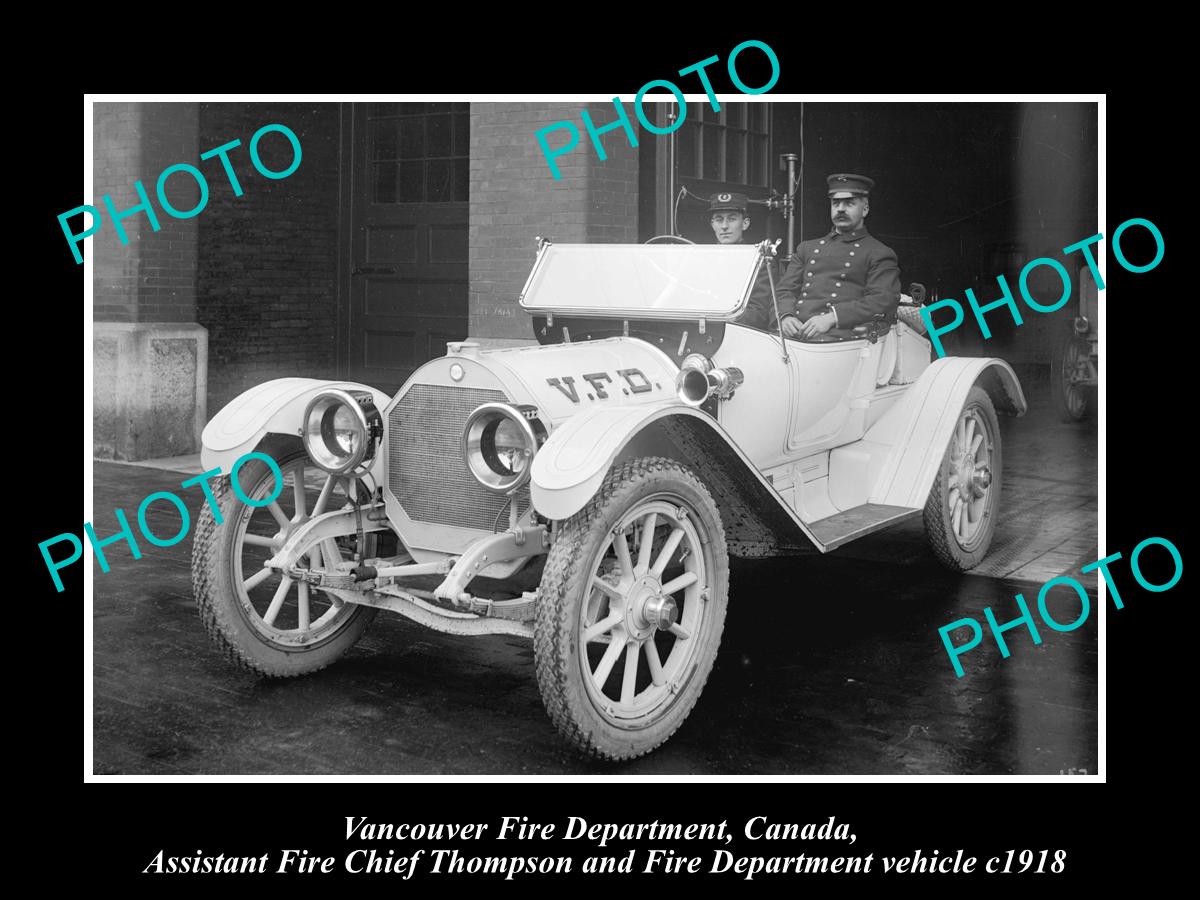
pixel 844 527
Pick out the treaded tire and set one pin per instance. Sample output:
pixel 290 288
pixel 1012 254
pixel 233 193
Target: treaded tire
pixel 579 544
pixel 217 601
pixel 937 514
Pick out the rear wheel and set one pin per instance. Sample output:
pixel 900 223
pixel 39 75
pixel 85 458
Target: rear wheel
pixel 631 609
pixel 263 621
pixel 960 513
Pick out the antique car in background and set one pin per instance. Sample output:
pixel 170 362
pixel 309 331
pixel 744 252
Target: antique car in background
pixel 587 492
pixel 1073 361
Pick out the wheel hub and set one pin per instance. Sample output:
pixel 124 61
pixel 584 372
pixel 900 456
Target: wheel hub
pixel 647 609
pixel 966 473
pixel 981 480
pixel 662 612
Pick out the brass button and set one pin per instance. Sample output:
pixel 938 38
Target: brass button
pixel 839 284
pixel 816 250
pixel 834 294
pixel 847 265
pixel 804 293
pixel 822 242
pixel 851 252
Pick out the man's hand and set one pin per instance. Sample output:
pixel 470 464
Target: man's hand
pixel 816 325
pixel 791 327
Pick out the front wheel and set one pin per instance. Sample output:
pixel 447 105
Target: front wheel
pixel 964 502
pixel 631 609
pixel 264 621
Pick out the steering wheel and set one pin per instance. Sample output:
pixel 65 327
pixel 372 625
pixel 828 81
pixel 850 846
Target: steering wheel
pixel 669 239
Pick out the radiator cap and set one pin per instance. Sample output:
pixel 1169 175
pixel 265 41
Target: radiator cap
pixel 462 348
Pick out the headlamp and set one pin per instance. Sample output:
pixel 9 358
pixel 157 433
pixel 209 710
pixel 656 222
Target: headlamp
pixel 341 429
pixel 498 446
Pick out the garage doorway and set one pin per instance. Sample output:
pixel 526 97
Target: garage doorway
pixel 404 268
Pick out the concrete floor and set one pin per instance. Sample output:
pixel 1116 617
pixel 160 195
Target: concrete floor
pixel 842 672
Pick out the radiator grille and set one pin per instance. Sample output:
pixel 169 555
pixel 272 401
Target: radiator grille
pixel 426 471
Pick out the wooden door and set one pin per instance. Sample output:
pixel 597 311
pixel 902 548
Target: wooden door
pixel 408 249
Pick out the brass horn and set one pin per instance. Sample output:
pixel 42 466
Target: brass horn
pixel 698 380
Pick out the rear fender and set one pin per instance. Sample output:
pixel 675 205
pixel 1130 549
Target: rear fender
pixel 911 438
pixel 272 408
pixel 569 468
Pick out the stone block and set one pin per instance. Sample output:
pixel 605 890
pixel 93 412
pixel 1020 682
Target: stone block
pixel 150 381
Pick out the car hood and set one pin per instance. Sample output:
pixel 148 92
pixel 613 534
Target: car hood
pixel 563 379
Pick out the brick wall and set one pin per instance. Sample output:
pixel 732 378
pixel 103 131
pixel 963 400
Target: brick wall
pixel 152 278
pixel 514 198
pixel 267 281
pixel 259 271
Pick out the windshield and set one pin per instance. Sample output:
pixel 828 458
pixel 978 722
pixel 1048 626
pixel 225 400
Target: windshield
pixel 642 280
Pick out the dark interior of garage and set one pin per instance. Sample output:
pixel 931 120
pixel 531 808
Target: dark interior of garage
pixel 964 191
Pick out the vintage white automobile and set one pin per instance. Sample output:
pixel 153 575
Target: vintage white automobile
pixel 588 492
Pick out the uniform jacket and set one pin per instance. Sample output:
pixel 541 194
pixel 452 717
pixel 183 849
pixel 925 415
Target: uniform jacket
pixel 854 272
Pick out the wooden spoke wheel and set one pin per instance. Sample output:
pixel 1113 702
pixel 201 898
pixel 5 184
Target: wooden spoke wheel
pixel 263 620
pixel 631 609
pixel 960 514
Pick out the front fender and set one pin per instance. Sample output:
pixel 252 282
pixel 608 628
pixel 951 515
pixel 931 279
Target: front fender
pixel 918 427
pixel 273 407
pixel 568 469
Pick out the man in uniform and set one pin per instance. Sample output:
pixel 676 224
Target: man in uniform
pixel 729 221
pixel 727 216
pixel 845 278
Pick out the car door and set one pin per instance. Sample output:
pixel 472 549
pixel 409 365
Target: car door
pixel 823 377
